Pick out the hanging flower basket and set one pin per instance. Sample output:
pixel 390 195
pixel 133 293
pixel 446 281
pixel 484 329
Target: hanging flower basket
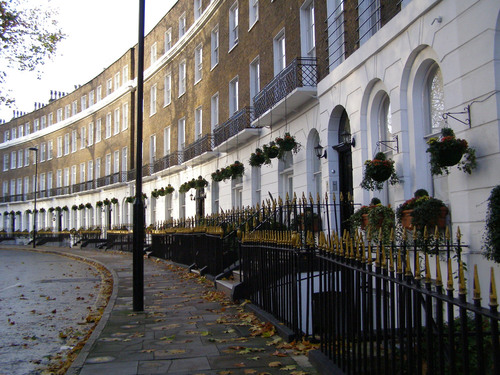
pixel 99 203
pixel 271 151
pixel 257 158
pixel 51 209
pixel 237 169
pixel 65 208
pixel 155 193
pixel 114 200
pixel 169 189
pixel 184 188
pixel 106 202
pixel 217 176
pixel 287 143
pixel 200 183
pixel 58 209
pixel 131 199
pixel 448 151
pixel 81 206
pixel 377 171
pixel 88 205
pixel 41 210
pixel 74 207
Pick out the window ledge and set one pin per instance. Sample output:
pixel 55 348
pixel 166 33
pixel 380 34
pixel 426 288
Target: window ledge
pixel 253 24
pixel 232 47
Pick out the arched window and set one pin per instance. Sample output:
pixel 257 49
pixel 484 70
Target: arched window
pixel 434 100
pixel 385 123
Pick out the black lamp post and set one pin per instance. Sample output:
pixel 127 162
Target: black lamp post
pixel 34 199
pixel 139 223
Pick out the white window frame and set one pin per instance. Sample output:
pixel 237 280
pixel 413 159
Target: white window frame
pixel 43 151
pixel 20 158
pixel 166 141
pixel 182 25
pixel 307 29
pixel 253 13
pixel 83 101
pixel 91 134
pixel 198 63
pixel 254 78
pixel 98 94
pixel 117 81
pixel 116 161
pixel 214 47
pixel 66 144
pixel 59 147
pixel 167 94
pixel 117 118
pixel 214 111
pixel 198 122
pixel 74 137
pixel 197 9
pixel 125 116
pixel 233 26
pixel 109 86
pixel 181 134
pixel 83 137
pixel 50 147
pixel 74 107
pixel 182 78
pixel 152 149
pixel 168 40
pixel 154 53
pixel 279 52
pixel 125 158
pixel 27 157
pixel 233 96
pixel 98 130
pixel 152 100
pixel 108 125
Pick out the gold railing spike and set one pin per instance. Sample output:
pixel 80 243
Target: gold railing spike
pixel 447 233
pixel 369 255
pixel 399 263
pixel 415 235
pixel 334 197
pixel 311 199
pixel 408 266
pixel 377 256
pixel 318 198
pixel 383 260
pixel 426 233
pixel 418 275
pixel 405 234
pixel 476 286
pixel 439 278
pixel 462 287
pixel 428 277
pixel 436 233
pixel 391 260
pixel 493 290
pixel 459 234
pixel 326 196
pixel 341 196
pixel 449 285
pixel 391 235
pixel 349 196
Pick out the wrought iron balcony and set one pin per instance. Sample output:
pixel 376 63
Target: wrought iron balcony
pixel 167 161
pixel 302 72
pixel 236 125
pixel 197 148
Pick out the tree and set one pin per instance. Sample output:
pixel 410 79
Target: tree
pixel 28 36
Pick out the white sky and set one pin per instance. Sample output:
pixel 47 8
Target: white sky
pixel 98 33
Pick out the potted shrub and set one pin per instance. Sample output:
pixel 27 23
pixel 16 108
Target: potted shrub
pixel 287 143
pixel 257 158
pixel 237 169
pixel 377 171
pixel 421 211
pixel 492 234
pixel 448 150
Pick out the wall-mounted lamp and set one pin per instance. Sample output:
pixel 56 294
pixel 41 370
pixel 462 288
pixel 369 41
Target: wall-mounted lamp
pixel 319 151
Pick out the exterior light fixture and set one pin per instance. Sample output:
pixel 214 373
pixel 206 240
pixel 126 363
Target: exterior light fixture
pixel 319 151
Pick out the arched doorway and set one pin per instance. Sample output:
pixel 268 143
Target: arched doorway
pixel 344 150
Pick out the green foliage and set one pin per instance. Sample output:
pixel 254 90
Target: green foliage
pixel 448 151
pixel 492 235
pixel 377 171
pixel 29 36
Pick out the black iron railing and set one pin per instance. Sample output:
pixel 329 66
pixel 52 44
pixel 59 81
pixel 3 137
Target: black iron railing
pixel 302 72
pixel 167 161
pixel 197 148
pixel 239 121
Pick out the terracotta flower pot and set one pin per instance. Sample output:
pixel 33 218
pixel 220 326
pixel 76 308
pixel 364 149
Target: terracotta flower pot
pixel 440 221
pixel 407 219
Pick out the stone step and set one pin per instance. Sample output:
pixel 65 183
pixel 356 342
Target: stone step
pixel 237 275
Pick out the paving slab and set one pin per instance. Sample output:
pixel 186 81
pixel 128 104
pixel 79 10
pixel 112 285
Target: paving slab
pixel 186 327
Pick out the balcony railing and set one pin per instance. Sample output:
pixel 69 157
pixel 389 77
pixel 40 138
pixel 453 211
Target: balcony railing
pixel 239 121
pixel 202 145
pixel 167 161
pixel 302 72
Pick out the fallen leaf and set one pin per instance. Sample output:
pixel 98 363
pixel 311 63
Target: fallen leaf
pixel 275 364
pixel 249 371
pixel 288 368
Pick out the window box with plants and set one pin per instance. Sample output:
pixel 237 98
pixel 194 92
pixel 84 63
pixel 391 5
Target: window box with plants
pixel 422 211
pixel 377 171
pixel 448 150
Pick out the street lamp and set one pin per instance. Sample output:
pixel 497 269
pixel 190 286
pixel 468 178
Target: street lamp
pixel 34 200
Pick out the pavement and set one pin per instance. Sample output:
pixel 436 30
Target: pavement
pixel 187 327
